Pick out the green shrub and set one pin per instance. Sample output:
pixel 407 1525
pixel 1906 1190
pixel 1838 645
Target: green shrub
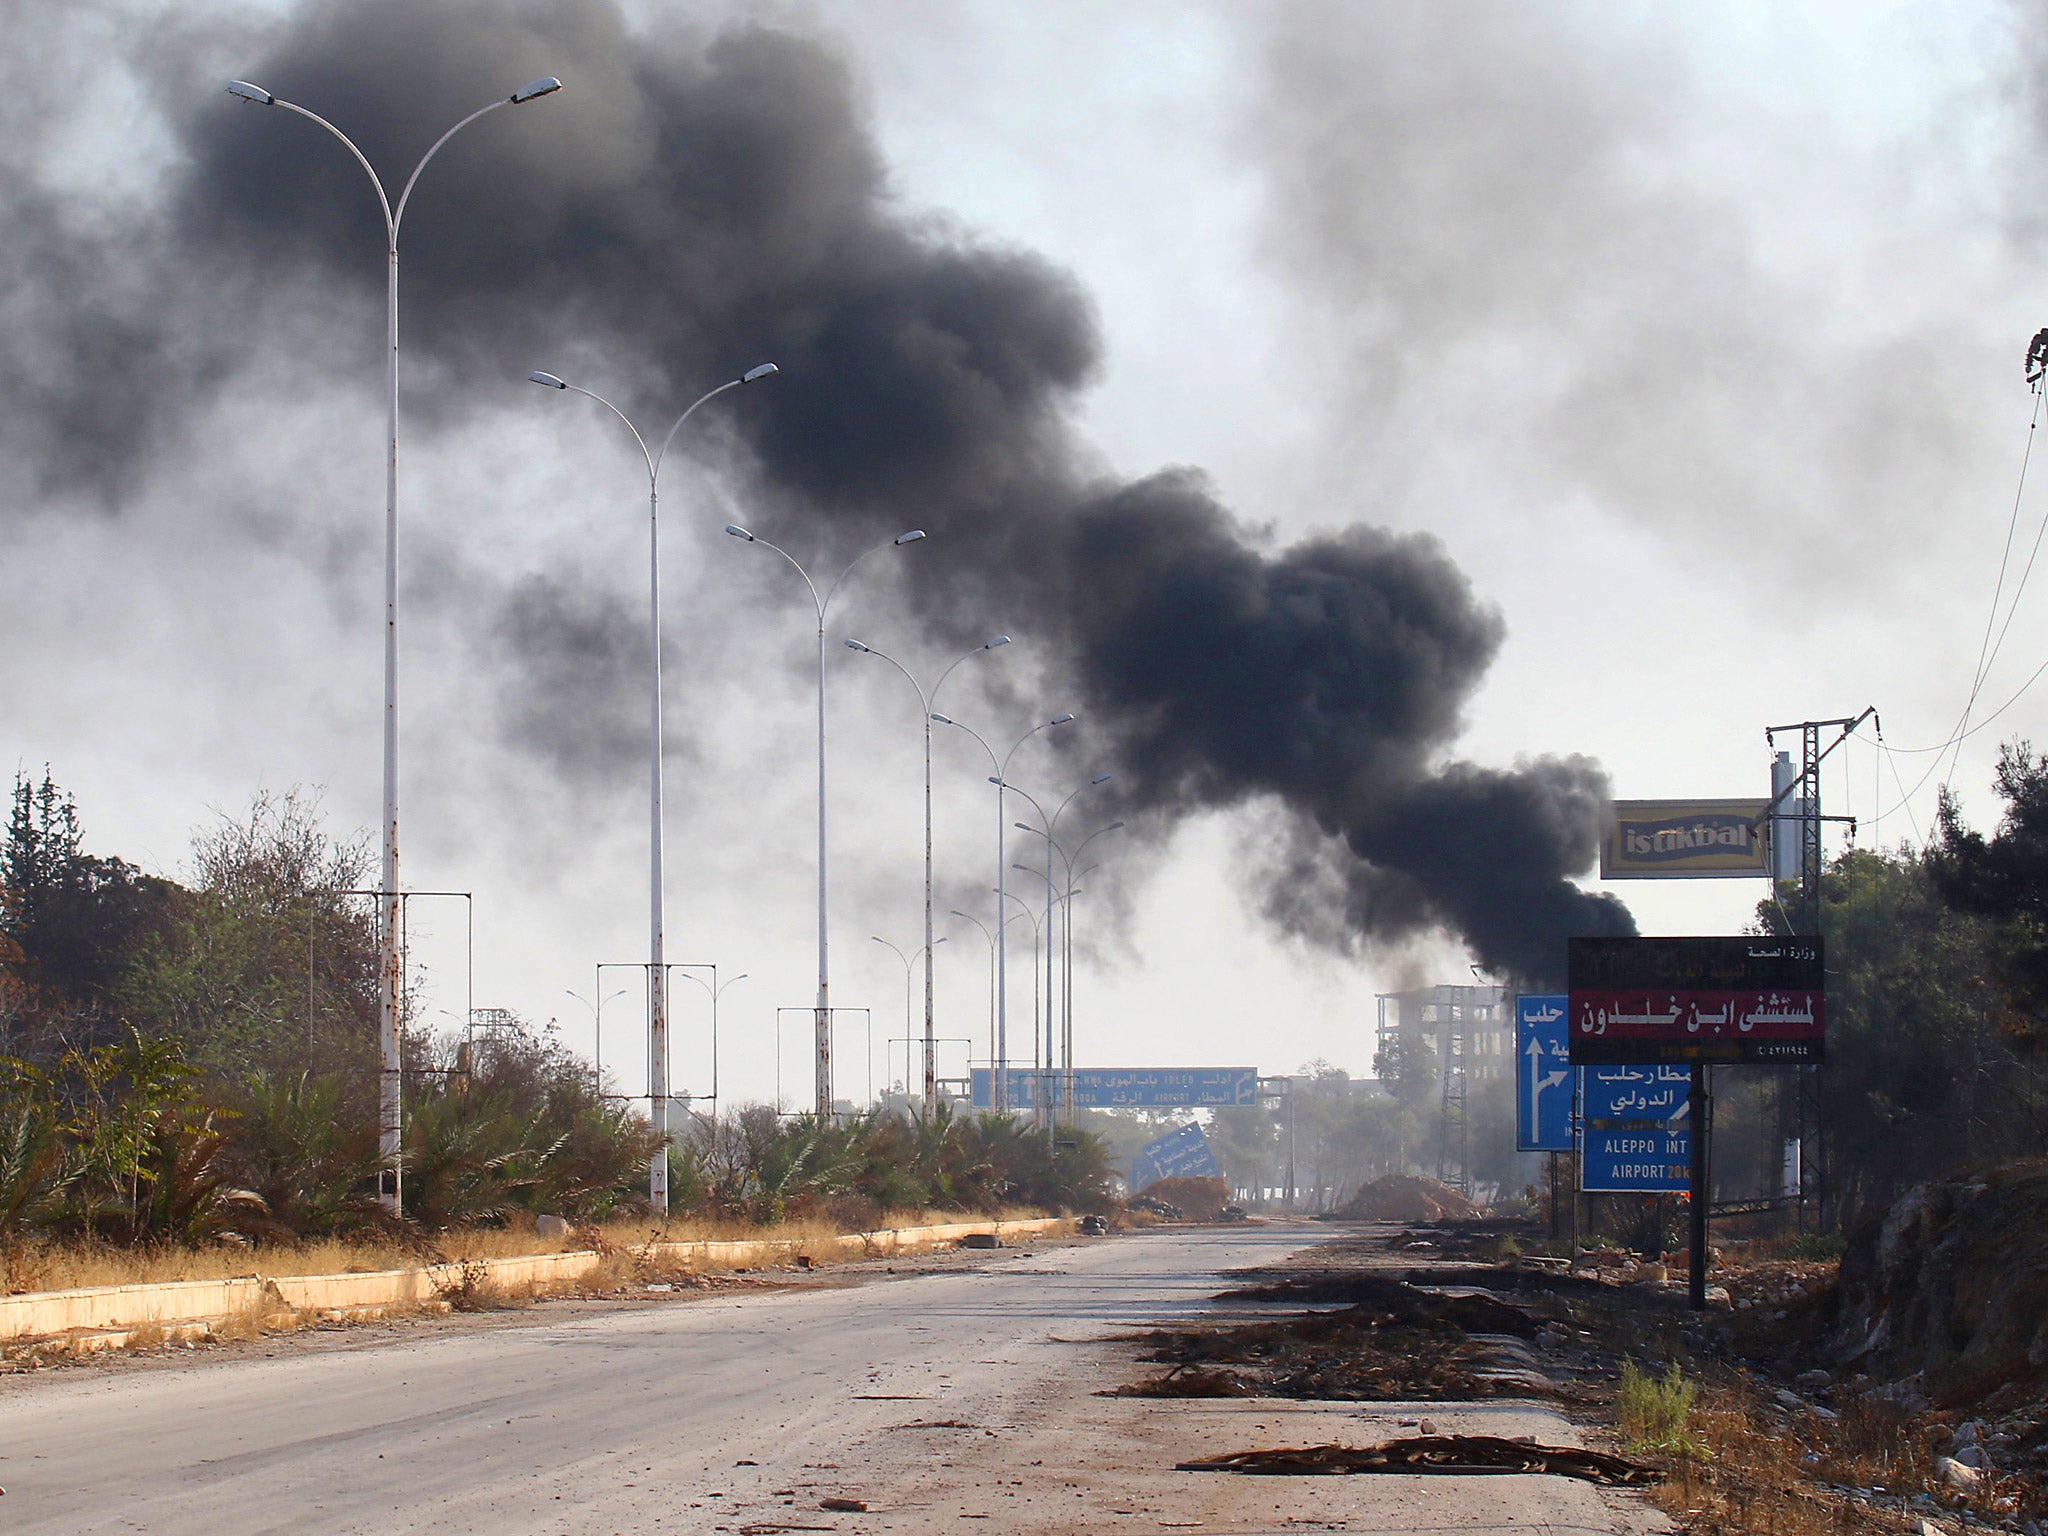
pixel 1651 1410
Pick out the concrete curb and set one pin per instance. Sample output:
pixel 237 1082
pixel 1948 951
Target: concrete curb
pixel 115 1312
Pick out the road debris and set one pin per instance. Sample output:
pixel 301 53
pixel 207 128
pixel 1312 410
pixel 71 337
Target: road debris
pixel 1434 1454
pixel 844 1506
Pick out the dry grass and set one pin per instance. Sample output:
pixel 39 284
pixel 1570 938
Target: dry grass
pixel 1748 1476
pixel 1757 1470
pixel 52 1266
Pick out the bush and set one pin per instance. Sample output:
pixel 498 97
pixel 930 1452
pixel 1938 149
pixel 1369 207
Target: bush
pixel 1651 1410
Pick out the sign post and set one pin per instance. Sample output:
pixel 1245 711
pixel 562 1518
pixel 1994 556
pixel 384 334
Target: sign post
pixel 1697 1001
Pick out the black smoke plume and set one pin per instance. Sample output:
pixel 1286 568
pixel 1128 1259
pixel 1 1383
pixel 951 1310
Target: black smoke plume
pixel 693 203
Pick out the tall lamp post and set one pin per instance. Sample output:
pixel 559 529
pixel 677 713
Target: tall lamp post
pixel 924 952
pixel 1024 914
pixel 1067 862
pixel 991 941
pixel 822 601
pixel 1000 1096
pixel 391 975
pixel 657 970
pixel 925 699
pixel 1048 825
pixel 717 989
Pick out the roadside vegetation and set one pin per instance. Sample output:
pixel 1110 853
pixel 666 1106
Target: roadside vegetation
pixel 186 1067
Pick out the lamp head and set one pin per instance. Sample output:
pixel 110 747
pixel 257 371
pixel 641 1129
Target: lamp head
pixel 1101 778
pixel 1060 720
pixel 999 784
pixel 855 645
pixel 248 92
pixel 758 371
pixel 1112 826
pixel 533 90
pixel 739 532
pixel 1023 826
pixel 999 640
pixel 911 537
pixel 945 719
pixel 548 379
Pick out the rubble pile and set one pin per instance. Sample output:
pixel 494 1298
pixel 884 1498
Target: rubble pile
pixel 1389 1342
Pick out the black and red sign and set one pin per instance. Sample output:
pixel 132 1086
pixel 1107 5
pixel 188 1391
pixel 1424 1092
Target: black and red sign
pixel 1713 999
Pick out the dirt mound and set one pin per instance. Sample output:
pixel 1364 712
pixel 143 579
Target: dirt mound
pixel 1406 1197
pixel 1948 1295
pixel 1198 1199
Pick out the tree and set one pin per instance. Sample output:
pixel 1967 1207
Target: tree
pixel 68 922
pixel 2005 878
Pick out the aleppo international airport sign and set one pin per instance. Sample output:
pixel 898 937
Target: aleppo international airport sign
pixel 1685 840
pixel 1716 999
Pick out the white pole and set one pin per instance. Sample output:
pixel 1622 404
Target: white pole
pixel 390 963
pixel 391 960
pixel 657 969
pixel 999 1090
pixel 823 1063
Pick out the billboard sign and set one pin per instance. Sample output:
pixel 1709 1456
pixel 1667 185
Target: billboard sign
pixel 1181 1154
pixel 1125 1087
pixel 1543 1076
pixel 1685 840
pixel 1715 999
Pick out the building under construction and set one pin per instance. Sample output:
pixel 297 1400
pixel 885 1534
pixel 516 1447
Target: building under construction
pixel 1472 1032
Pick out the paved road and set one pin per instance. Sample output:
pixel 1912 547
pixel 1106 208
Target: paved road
pixel 936 1398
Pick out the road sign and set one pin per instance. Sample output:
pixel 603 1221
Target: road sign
pixel 1714 999
pixel 1181 1154
pixel 1636 1129
pixel 1543 1077
pixel 1128 1087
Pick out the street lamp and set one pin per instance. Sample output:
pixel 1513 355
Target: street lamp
pixel 597 1031
pixel 1067 947
pixel 990 939
pixel 925 698
pixel 1024 914
pixel 717 991
pixel 1000 1096
pixel 1047 826
pixel 391 966
pixel 910 1014
pixel 823 601
pixel 657 973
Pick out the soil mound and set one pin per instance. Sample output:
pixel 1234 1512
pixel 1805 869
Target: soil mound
pixel 1406 1197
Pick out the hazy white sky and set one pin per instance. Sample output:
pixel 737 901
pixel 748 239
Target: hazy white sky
pixel 1694 334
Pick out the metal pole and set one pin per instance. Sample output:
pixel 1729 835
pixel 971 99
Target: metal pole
pixel 657 970
pixel 390 1005
pixel 999 1092
pixel 823 1063
pixel 1700 1110
pixel 931 1048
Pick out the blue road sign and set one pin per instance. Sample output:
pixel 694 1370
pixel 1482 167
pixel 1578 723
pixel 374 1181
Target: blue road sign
pixel 1543 1074
pixel 1128 1087
pixel 1637 1137
pixel 1181 1154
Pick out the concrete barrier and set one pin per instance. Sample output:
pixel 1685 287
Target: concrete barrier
pixel 115 1311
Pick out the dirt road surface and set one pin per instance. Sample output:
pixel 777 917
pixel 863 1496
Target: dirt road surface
pixel 954 1399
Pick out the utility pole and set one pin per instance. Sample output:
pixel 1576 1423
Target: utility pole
pixel 1803 793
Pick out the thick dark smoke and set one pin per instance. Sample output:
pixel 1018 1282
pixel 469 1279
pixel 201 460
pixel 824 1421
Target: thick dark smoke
pixel 693 204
